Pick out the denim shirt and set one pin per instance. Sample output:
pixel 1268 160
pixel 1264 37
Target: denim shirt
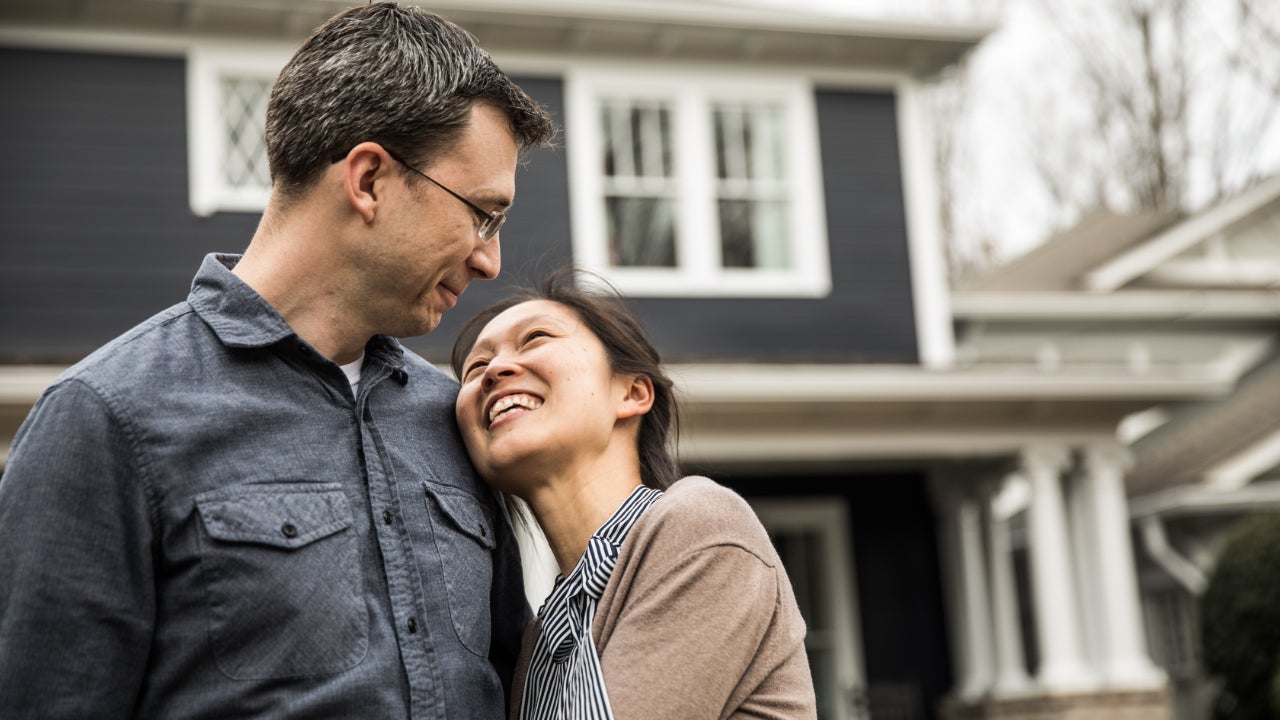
pixel 200 521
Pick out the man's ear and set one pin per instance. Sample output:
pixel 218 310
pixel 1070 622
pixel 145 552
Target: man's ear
pixel 363 171
pixel 638 398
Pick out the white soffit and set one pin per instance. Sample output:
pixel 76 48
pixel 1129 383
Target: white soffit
pixel 1184 304
pixel 762 384
pixel 1163 247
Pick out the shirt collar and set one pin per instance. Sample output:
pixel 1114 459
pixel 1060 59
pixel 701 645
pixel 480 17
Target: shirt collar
pixel 242 318
pixel 587 581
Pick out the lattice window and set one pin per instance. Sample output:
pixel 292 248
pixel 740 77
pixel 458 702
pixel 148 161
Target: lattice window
pixel 244 115
pixel 227 92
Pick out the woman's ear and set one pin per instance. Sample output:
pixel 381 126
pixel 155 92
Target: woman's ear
pixel 638 398
pixel 362 169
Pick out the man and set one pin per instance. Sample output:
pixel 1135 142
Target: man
pixel 255 504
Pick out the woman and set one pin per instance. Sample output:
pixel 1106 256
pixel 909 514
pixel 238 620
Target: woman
pixel 671 601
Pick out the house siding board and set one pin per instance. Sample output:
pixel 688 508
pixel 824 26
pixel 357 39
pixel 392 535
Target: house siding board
pixel 98 234
pixel 95 226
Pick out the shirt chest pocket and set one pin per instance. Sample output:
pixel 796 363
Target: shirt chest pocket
pixel 463 529
pixel 282 575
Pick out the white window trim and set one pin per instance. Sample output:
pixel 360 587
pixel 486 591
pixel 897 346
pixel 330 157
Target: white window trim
pixel 698 273
pixel 829 517
pixel 207 64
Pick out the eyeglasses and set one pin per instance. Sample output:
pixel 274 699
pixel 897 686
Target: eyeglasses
pixel 490 221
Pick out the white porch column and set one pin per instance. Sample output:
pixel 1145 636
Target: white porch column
pixel 1062 667
pixel 1010 668
pixel 975 606
pixel 1123 652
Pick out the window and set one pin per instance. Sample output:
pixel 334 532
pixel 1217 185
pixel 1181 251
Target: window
pixel 227 93
pixel 704 187
pixel 811 536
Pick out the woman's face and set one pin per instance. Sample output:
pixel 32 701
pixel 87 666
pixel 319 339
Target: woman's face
pixel 538 396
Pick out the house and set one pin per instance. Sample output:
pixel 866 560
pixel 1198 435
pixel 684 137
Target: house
pixel 941 473
pixel 1190 302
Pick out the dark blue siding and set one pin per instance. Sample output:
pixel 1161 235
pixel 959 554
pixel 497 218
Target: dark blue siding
pixel 899 591
pixel 868 317
pixel 95 229
pixel 97 233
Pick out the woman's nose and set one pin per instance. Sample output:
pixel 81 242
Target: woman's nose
pixel 498 368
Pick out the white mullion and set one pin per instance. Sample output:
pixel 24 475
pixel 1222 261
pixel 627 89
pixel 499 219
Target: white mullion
pixel 698 232
pixel 587 181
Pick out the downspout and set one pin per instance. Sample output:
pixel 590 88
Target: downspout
pixel 1179 567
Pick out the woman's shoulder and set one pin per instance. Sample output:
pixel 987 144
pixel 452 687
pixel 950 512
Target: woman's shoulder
pixel 698 511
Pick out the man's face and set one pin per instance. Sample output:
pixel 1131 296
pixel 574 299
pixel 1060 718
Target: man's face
pixel 429 249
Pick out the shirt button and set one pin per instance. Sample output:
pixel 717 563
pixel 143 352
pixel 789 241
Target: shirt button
pixel 386 516
pixel 289 530
pixel 413 626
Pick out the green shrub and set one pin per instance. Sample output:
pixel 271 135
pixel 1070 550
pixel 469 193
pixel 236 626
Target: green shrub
pixel 1240 622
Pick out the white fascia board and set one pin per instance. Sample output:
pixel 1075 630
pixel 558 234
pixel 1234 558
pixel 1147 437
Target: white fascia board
pixel 23 384
pixel 1262 305
pixel 775 445
pixel 716 15
pixel 1237 470
pixel 1164 246
pixel 762 384
pixel 1200 500
pixel 111 41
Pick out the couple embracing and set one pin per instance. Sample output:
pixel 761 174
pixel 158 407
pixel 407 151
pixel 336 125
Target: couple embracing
pixel 259 504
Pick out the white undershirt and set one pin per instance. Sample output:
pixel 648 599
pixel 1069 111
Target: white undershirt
pixel 352 371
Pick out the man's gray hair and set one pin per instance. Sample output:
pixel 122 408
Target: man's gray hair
pixel 398 76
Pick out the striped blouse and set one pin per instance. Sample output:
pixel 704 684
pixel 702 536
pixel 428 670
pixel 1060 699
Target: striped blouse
pixel 565 681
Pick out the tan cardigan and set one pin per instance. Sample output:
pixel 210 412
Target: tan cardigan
pixel 699 619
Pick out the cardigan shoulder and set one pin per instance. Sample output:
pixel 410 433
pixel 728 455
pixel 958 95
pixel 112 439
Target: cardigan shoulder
pixel 697 513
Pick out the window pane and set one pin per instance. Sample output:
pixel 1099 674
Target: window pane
pixel 244 110
pixel 748 142
pixel 637 139
pixel 751 186
pixel 641 231
pixel 753 234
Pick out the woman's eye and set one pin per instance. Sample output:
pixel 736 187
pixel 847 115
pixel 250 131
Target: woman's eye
pixel 473 368
pixel 535 334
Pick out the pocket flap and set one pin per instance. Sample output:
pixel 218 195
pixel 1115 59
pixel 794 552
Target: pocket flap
pixel 468 513
pixel 287 516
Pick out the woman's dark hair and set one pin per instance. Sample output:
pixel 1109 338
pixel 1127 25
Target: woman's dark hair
pixel 629 349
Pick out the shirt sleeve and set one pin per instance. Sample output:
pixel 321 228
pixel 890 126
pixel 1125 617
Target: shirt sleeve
pixel 77 595
pixel 684 639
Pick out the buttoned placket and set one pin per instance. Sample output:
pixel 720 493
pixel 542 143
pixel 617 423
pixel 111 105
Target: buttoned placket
pixel 426 690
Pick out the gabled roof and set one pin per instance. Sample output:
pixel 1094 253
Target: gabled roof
pixel 683 29
pixel 1207 442
pixel 1107 252
pixel 1062 262
pixel 1162 247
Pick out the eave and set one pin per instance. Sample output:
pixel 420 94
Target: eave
pixel 617 28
